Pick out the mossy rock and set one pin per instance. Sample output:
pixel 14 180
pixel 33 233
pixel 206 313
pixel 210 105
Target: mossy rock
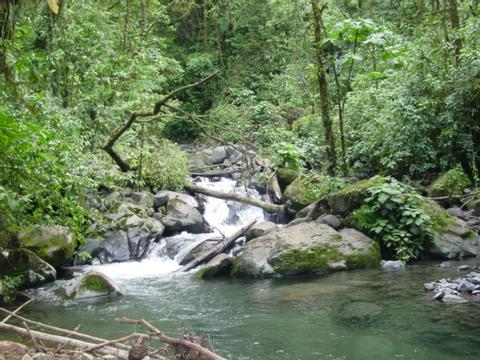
pixel 453 182
pixel 350 198
pixel 286 176
pixel 306 249
pixel 452 237
pixel 54 244
pixel 27 265
pixel 89 286
pixel 306 189
pixel 220 265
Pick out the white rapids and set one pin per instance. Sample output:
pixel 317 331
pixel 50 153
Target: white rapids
pixel 225 217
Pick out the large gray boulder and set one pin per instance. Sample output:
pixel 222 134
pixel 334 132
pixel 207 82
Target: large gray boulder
pixel 306 248
pixel 89 286
pixel 54 244
pixel 162 198
pixel 143 198
pixel 181 216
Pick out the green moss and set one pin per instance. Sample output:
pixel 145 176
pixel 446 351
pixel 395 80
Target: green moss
pixel 210 272
pixel 440 219
pixel 312 261
pixel 364 261
pixel 315 260
pixel 351 197
pixel 96 283
pixel 286 176
pixel 308 188
pixel 453 182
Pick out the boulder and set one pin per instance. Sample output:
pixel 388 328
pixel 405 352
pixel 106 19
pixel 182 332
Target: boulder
pixel 351 197
pixel 261 229
pixel 25 264
pixel 162 198
pixel 143 198
pixel 219 154
pixel 88 286
pixel 453 182
pixel 456 212
pixel 305 190
pixel 199 249
pixel 12 350
pixel 330 220
pixel 54 244
pixel 218 266
pixel 392 265
pixel 305 248
pixel 452 237
pixel 200 161
pixel 286 176
pixel 181 216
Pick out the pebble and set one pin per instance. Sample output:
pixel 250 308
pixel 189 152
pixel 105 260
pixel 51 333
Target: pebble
pixel 454 299
pixel 445 265
pixel 447 290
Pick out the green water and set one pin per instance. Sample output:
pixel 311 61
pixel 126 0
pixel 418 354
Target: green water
pixel 360 315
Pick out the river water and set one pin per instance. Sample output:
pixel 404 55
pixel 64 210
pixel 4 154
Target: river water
pixel 360 315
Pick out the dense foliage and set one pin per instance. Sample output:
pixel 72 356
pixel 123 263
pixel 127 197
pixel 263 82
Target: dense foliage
pixel 402 79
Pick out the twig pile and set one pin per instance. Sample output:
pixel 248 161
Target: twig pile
pixel 153 344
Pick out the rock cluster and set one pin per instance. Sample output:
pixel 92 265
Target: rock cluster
pixel 448 291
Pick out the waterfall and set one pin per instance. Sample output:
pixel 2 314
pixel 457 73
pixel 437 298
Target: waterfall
pixel 225 217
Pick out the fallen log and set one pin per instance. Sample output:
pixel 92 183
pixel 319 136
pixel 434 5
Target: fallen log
pixel 213 174
pixel 271 208
pixel 216 249
pixel 210 355
pixel 78 344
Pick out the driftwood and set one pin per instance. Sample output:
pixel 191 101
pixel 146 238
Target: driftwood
pixel 216 249
pixel 210 355
pixel 271 208
pixel 115 347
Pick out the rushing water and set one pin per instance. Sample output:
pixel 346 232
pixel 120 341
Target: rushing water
pixel 368 314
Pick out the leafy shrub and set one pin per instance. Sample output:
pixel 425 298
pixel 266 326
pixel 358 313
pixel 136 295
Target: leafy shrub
pixel 393 216
pixel 166 168
pixel 287 155
pixel 9 286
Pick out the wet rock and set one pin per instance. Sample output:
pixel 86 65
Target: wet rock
pixel 305 248
pixel 54 244
pixel 453 299
pixel 463 268
pixel 338 266
pixel 162 198
pixel 199 249
pixel 218 266
pixel 392 265
pixel 445 265
pixel 183 217
pixel 89 286
pixel 330 220
pixel 286 176
pixel 258 230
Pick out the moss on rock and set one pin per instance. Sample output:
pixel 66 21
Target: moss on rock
pixel 351 197
pixel 286 176
pixel 306 189
pixel 453 182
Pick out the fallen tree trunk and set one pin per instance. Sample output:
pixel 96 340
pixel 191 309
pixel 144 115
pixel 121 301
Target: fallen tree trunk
pixel 216 249
pixel 271 208
pixel 79 344
pixel 214 174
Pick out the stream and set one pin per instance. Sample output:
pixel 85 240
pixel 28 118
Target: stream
pixel 367 314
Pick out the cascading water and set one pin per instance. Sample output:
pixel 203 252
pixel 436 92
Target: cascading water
pixel 225 217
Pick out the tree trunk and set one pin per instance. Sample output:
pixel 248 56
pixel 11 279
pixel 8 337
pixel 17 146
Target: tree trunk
pixel 272 208
pixel 217 248
pixel 455 21
pixel 323 88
